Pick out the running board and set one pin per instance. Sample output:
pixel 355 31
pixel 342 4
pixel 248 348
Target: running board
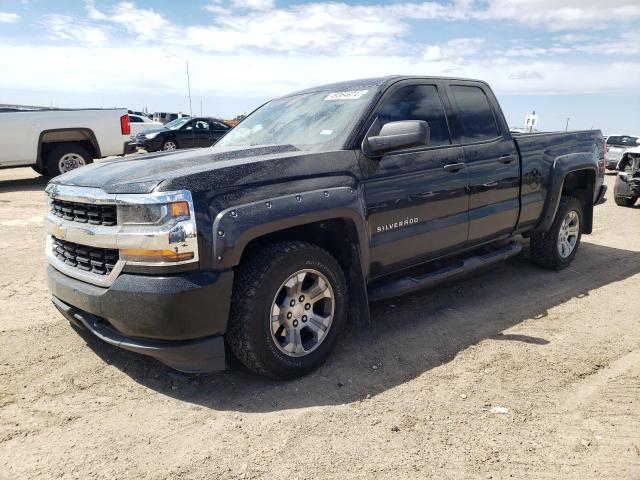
pixel 400 286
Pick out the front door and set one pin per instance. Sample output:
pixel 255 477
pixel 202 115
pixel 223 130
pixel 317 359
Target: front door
pixel 202 133
pixel 184 136
pixel 492 162
pixel 417 203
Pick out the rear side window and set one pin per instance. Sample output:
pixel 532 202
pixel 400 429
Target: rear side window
pixel 219 126
pixel 477 121
pixel 418 102
pixel 134 119
pixel 622 141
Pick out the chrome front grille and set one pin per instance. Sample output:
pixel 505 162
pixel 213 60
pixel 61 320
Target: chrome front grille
pixel 85 213
pixel 99 261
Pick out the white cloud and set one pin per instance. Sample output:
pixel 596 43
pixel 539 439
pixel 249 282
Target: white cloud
pixel 7 17
pixel 458 49
pixel 558 15
pixel 254 4
pixel 92 12
pixel 69 28
pixel 575 38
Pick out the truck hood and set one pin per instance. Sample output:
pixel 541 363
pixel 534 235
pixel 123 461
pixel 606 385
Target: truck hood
pixel 206 169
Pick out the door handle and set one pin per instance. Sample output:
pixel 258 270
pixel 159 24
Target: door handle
pixel 506 159
pixel 490 185
pixel 454 167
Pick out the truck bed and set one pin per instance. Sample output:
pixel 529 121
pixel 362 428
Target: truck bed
pixel 539 152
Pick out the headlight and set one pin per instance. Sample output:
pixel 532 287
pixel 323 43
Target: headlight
pixel 153 214
pixel 159 229
pixel 151 136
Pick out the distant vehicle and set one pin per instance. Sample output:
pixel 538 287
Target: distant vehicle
pixel 627 188
pixel 141 123
pixel 166 117
pixel 181 133
pixel 55 141
pixel 616 146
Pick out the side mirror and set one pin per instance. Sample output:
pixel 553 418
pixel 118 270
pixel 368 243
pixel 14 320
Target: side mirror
pixel 394 135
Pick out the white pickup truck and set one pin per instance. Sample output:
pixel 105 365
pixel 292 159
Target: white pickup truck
pixel 53 141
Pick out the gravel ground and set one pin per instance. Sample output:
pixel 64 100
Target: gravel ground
pixel 514 372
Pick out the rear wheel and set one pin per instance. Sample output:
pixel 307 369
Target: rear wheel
pixel 625 201
pixel 288 309
pixel 66 157
pixel 556 247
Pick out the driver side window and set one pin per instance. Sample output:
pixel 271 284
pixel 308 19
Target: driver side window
pixel 418 102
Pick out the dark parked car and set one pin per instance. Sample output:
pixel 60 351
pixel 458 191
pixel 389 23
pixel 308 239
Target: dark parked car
pixel 181 133
pixel 317 203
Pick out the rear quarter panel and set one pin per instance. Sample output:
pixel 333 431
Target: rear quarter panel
pixel 546 153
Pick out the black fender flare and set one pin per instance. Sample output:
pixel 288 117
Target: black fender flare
pixel 235 227
pixel 562 166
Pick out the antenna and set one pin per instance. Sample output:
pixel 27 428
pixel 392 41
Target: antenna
pixel 189 89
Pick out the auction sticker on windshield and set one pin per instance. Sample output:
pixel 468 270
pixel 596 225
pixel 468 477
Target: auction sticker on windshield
pixel 353 95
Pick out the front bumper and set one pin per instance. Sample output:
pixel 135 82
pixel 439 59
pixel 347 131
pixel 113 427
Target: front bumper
pixel 150 145
pixel 178 319
pixel 627 185
pixel 191 356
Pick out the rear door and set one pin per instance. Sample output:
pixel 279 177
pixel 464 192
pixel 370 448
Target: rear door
pixel 416 197
pixel 492 161
pixel 219 130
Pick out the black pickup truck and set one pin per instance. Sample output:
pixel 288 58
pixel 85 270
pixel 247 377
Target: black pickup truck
pixel 316 204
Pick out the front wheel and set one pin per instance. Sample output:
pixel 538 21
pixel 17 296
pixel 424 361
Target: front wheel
pixel 288 309
pixel 625 201
pixel 556 247
pixel 169 146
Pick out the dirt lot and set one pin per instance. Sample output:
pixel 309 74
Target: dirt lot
pixel 515 372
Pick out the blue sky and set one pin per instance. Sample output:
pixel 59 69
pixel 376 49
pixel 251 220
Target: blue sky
pixel 569 58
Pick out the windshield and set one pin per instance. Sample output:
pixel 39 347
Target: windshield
pixel 622 141
pixel 309 121
pixel 176 124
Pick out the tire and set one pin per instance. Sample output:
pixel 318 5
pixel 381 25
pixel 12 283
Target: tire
pixel 259 285
pixel 625 201
pixel 545 248
pixel 66 157
pixel 169 145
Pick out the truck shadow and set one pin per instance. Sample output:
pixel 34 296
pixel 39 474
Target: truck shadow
pixel 408 336
pixel 35 184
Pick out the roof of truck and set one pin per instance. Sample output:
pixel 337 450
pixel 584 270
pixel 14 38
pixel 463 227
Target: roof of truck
pixel 363 83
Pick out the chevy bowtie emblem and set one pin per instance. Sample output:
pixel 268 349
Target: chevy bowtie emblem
pixel 59 232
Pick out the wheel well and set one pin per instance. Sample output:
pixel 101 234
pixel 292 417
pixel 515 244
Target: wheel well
pixel 580 184
pixel 53 138
pixel 336 236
